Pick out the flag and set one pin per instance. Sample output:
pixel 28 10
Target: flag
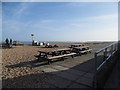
pixel 32 35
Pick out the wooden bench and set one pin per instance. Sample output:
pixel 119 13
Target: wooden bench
pixel 89 50
pixel 60 56
pixel 85 51
pixel 55 57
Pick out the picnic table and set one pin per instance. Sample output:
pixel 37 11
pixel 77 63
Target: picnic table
pixel 55 53
pixel 82 49
pixel 76 45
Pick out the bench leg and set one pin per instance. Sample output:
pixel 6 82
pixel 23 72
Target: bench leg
pixel 38 59
pixel 48 61
pixel 72 56
pixel 62 59
pixel 79 53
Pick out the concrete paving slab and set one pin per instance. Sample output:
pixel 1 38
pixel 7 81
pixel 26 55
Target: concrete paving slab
pixel 68 76
pixel 89 75
pixel 58 67
pixel 75 72
pixel 42 67
pixel 58 82
pixel 69 64
pixel 76 85
pixel 85 81
pixel 48 70
pixel 85 68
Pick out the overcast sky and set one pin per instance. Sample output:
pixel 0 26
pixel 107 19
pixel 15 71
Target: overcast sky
pixel 60 21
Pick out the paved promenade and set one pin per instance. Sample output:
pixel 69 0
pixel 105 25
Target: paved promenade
pixel 74 72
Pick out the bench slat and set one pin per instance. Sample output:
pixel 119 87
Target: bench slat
pixel 89 50
pixel 61 56
pixel 85 51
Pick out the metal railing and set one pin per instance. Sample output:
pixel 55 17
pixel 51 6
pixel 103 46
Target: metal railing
pixel 106 54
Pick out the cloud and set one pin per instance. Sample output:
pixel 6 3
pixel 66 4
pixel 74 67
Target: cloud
pixel 16 30
pixel 110 34
pixel 74 4
pixel 51 27
pixel 103 17
pixel 44 24
pixel 20 10
pixel 107 19
pixel 60 0
pixel 48 21
pixel 14 27
pixel 77 24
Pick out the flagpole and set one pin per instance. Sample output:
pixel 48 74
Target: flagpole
pixel 32 38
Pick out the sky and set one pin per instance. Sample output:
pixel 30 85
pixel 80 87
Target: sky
pixel 60 21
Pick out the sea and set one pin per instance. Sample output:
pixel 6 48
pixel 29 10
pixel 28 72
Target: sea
pixel 30 42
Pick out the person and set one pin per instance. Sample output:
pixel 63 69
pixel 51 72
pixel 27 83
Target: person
pixel 10 42
pixel 33 43
pixel 7 42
